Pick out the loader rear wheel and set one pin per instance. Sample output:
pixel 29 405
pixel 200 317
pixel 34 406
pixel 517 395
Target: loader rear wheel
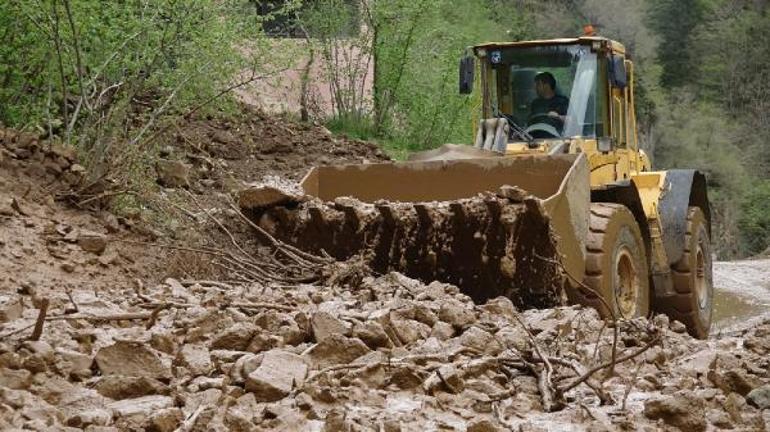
pixel 616 263
pixel 693 279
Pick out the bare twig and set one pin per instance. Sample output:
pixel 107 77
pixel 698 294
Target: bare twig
pixel 603 301
pixel 189 423
pixel 544 382
pixel 595 369
pixel 630 386
pixel 72 300
pixel 40 321
pixel 154 316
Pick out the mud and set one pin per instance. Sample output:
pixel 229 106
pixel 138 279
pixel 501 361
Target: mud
pixel 741 293
pixel 252 145
pixel 127 346
pixel 489 246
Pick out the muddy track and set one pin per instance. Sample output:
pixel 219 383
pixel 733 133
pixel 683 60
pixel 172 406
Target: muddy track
pixel 467 242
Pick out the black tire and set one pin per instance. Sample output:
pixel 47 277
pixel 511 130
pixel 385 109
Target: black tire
pixel 693 279
pixel 616 264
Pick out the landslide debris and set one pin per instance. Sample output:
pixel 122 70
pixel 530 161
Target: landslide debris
pixel 125 347
pixel 390 353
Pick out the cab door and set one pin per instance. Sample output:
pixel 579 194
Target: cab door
pixel 622 123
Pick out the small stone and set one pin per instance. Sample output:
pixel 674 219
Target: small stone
pixel 235 338
pixel 11 307
pixel 68 267
pixel 128 387
pixel 195 358
pixel 483 426
pixel 88 417
pixel 442 331
pixel 719 419
pixel 131 359
pixel 409 331
pixel 324 325
pixel 759 397
pixel 165 420
pixel 336 349
pixel 91 241
pixel 678 327
pixel 446 378
pixel 734 380
pixel 172 174
pixel 681 410
pixel 163 342
pixel 17 379
pixel 276 376
pixel 457 314
pixel 480 340
pixel 141 407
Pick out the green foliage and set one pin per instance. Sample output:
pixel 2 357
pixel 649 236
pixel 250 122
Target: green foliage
pixel 674 21
pixel 417 45
pixel 754 222
pixel 107 76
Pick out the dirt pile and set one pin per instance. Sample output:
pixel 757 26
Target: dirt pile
pixel 23 156
pixel 220 152
pixel 388 353
pixel 489 245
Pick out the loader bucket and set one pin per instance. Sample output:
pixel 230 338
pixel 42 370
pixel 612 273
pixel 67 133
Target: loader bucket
pixel 493 226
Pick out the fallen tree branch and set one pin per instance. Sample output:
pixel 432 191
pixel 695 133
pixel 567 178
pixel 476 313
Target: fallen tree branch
pixel 622 359
pixel 604 303
pixel 544 378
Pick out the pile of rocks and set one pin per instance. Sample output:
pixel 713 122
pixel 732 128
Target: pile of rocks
pixel 47 161
pixel 388 353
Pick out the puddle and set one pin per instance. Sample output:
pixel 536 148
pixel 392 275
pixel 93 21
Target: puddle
pixel 731 309
pixel 741 292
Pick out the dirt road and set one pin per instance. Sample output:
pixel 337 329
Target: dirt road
pixel 741 293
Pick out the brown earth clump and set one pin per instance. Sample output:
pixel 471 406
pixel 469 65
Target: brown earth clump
pixel 489 245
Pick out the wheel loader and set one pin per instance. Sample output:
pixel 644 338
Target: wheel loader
pixel 545 208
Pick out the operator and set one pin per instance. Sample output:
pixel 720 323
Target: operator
pixel 548 107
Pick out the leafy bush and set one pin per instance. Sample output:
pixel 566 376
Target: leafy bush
pixel 104 75
pixel 754 222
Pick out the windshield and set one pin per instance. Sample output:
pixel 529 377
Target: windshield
pixel 548 90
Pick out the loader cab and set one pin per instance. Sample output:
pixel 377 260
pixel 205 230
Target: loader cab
pixel 591 72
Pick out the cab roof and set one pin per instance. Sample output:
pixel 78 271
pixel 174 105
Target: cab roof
pixel 614 46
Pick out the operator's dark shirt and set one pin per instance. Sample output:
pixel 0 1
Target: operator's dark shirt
pixel 557 103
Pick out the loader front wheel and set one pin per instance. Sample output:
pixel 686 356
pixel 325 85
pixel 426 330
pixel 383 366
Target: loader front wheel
pixel 693 279
pixel 616 264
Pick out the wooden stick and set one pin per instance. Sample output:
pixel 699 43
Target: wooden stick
pixel 40 320
pixel 595 369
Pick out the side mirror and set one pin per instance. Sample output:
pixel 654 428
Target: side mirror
pixel 467 72
pixel 618 75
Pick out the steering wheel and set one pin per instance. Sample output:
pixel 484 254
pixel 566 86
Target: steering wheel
pixel 542 118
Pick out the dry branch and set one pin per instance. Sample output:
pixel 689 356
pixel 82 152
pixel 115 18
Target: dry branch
pixel 40 320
